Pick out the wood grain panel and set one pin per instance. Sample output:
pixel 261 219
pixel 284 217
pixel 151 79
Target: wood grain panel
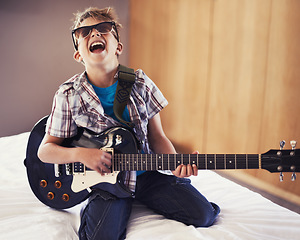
pixel 240 40
pixel 170 42
pixel 281 118
pixel 229 70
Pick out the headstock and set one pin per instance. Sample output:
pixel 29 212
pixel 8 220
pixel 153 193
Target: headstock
pixel 282 160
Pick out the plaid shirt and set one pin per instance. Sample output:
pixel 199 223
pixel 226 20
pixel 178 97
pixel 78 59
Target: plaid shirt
pixel 76 105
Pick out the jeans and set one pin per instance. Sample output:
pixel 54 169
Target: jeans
pixel 106 216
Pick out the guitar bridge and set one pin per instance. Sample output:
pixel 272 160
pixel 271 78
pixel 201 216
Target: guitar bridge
pixel 79 168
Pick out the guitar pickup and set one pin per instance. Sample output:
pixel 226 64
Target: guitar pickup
pixel 57 170
pixel 68 168
pixel 111 152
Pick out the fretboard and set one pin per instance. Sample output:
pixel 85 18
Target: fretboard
pixel 151 162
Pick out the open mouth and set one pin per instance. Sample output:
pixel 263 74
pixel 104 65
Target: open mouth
pixel 97 47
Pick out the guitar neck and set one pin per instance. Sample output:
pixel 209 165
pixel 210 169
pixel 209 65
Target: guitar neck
pixel 151 162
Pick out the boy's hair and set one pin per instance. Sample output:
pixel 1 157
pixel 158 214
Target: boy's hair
pixel 104 14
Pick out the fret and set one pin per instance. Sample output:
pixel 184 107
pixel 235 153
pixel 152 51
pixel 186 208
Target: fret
pixel 151 163
pixel 146 162
pixel 215 159
pixel 205 161
pixel 169 162
pixel 132 162
pixel 141 161
pixel 235 160
pixel 247 161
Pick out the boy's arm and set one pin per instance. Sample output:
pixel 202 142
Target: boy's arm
pixel 50 151
pixel 159 143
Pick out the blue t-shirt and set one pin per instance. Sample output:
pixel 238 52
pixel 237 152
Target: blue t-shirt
pixel 106 97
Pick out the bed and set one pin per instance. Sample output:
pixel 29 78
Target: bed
pixel 244 213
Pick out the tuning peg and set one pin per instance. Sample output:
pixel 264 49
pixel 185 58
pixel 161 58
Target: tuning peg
pixel 294 176
pixel 281 177
pixel 293 144
pixel 282 144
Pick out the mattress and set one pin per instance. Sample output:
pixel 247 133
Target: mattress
pixel 244 213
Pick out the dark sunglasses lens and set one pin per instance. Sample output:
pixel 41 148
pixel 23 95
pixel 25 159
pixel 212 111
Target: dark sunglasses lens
pixel 82 32
pixel 104 27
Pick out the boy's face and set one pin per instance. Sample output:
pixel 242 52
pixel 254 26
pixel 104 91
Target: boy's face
pixel 97 48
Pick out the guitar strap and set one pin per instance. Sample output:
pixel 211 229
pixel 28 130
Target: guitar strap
pixel 126 79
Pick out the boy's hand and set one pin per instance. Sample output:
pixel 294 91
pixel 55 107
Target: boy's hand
pixel 183 171
pixel 95 159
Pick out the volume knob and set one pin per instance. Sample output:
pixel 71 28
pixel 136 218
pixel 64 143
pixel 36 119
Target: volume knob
pixel 43 183
pixel 50 195
pixel 65 197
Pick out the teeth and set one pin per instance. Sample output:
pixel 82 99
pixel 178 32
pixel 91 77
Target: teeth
pixel 97 44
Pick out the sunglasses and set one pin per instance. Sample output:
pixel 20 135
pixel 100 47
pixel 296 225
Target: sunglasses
pixel 103 27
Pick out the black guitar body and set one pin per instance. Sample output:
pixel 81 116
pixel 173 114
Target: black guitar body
pixel 44 184
pixel 53 186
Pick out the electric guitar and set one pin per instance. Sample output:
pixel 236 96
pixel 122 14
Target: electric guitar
pixel 62 186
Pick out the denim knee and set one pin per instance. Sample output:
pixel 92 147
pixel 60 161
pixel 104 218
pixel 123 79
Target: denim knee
pixel 207 218
pixel 105 211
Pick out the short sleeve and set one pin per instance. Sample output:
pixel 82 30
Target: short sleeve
pixel 153 97
pixel 60 123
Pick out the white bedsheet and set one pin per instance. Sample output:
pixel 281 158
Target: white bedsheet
pixel 244 214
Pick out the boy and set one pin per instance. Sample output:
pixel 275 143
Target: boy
pixel 86 100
